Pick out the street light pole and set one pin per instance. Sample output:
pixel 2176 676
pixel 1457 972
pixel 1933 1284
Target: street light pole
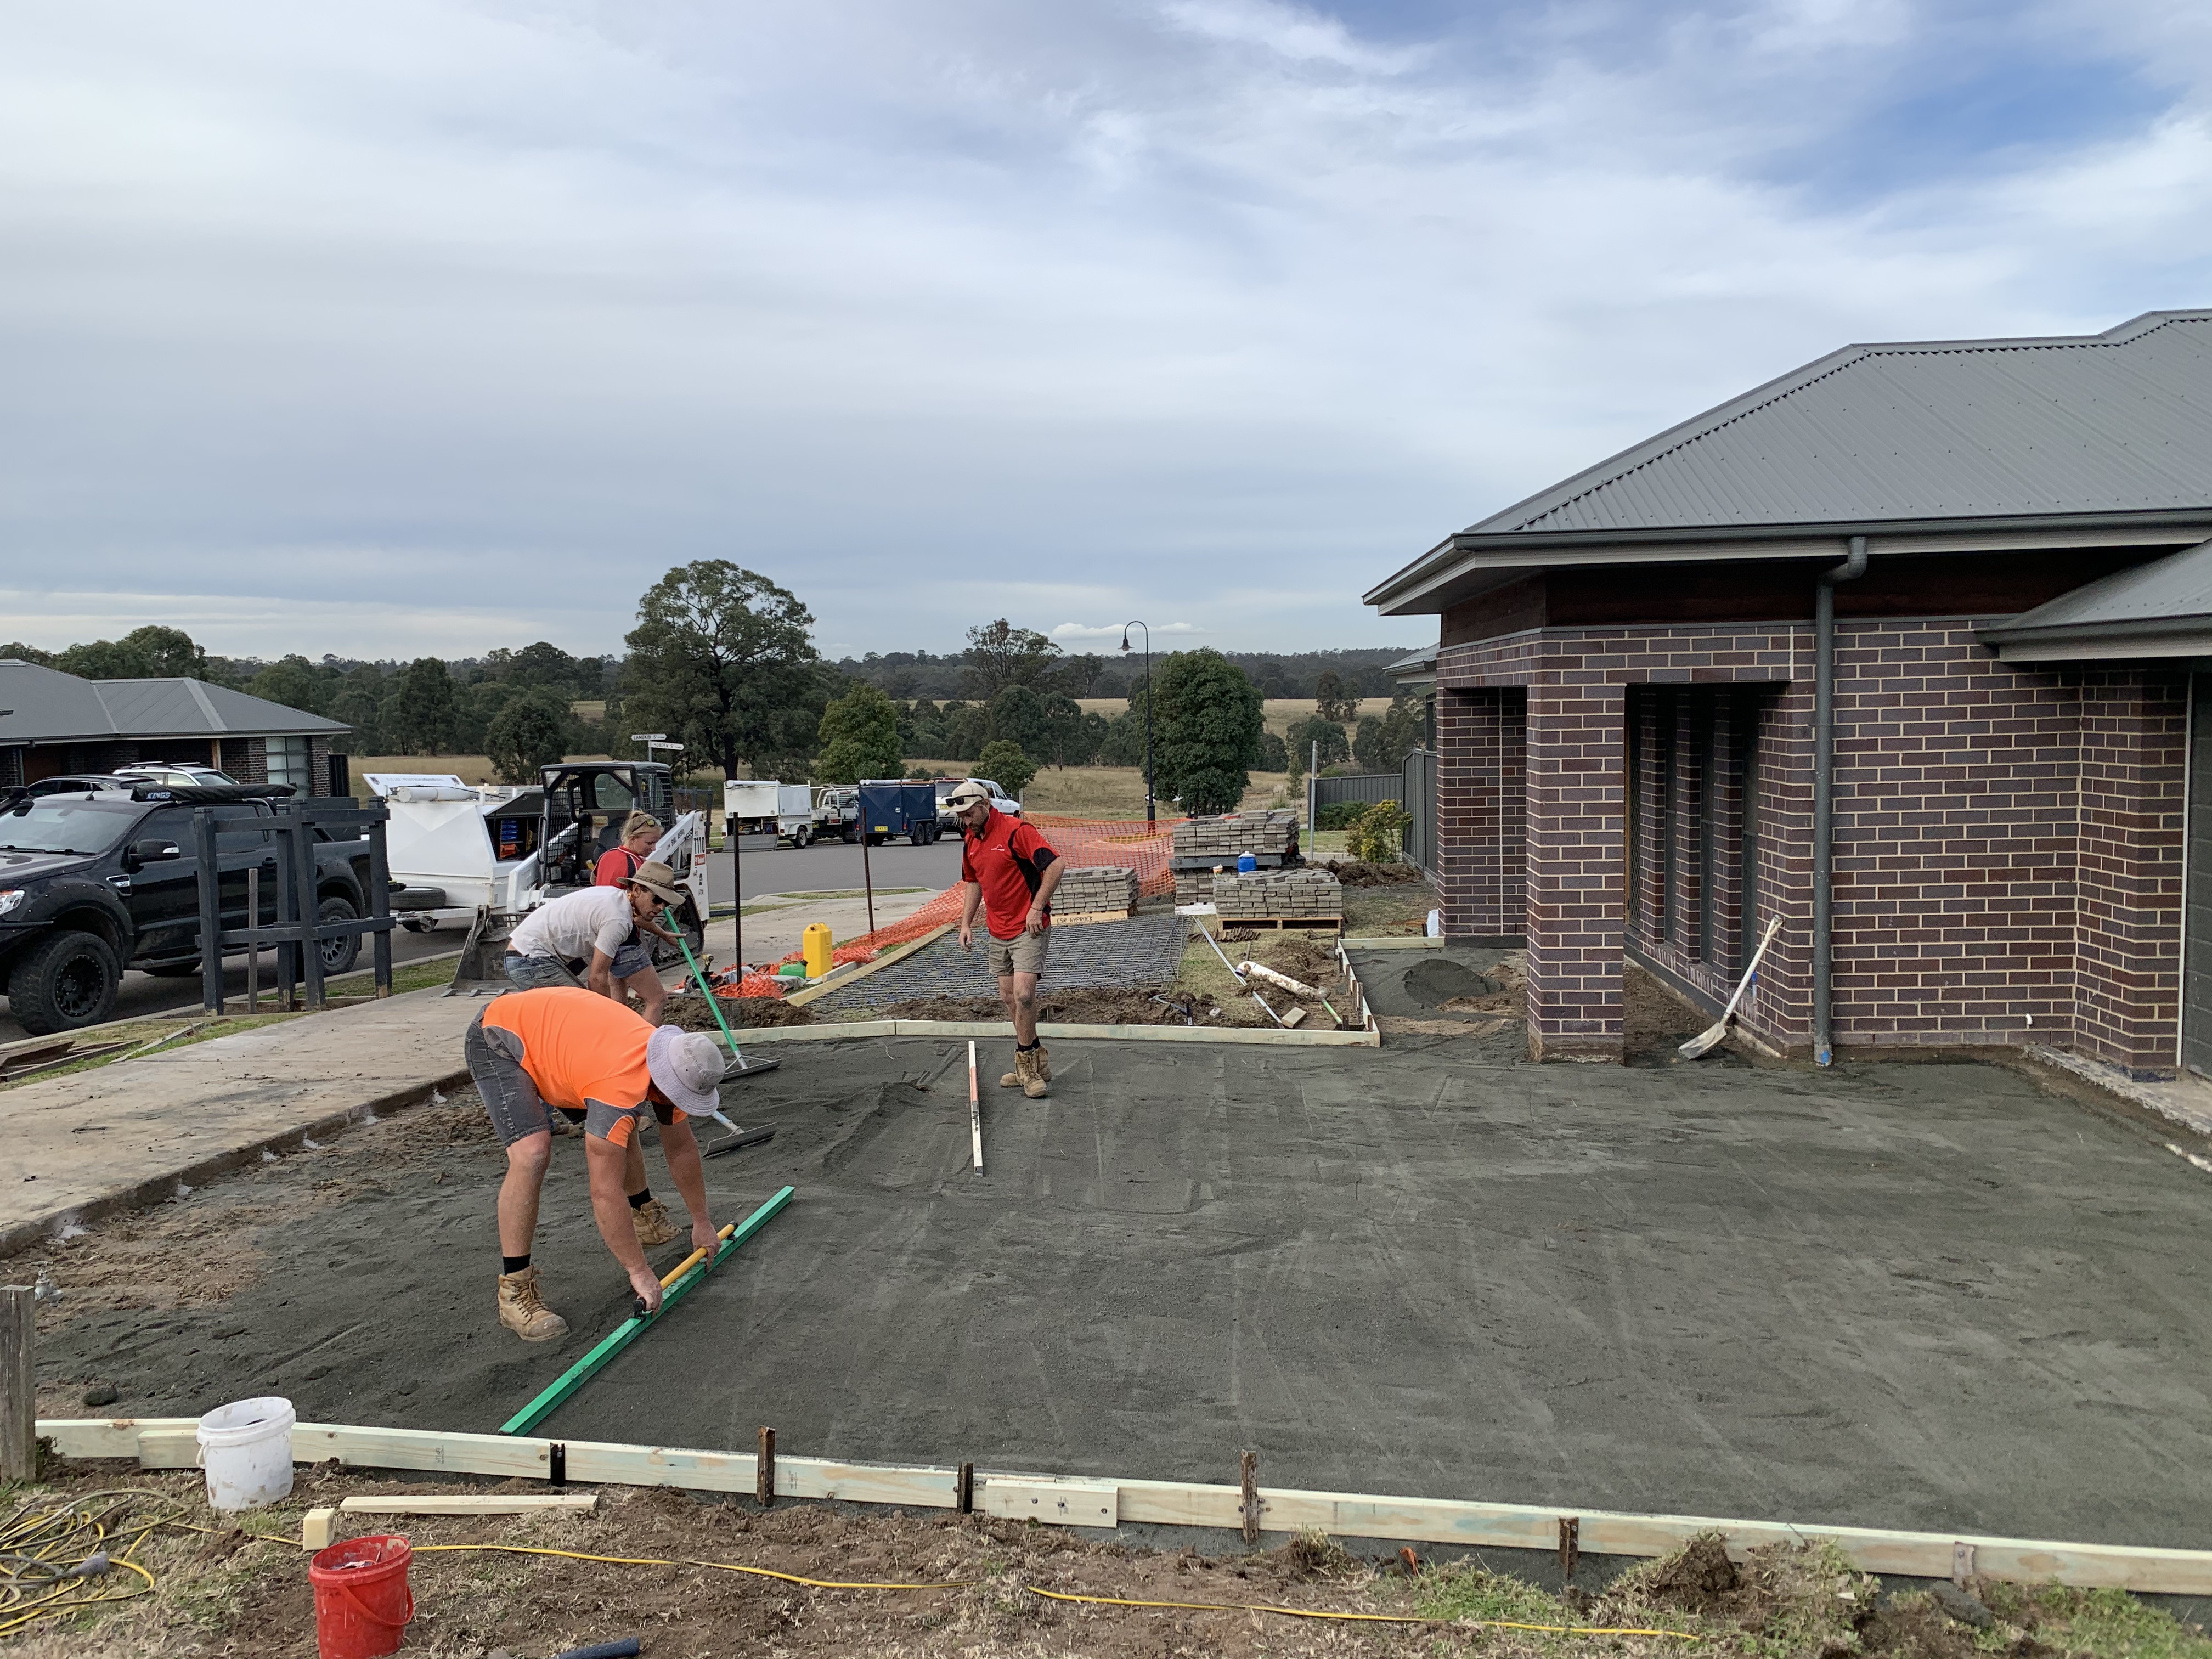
pixel 1150 806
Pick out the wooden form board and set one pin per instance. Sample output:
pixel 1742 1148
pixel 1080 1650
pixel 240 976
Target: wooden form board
pixel 171 1442
pixel 487 1503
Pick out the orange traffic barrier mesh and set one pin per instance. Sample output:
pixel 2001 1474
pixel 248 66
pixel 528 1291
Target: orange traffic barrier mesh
pixel 1082 843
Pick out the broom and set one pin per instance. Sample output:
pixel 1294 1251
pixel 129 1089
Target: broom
pixel 1708 1039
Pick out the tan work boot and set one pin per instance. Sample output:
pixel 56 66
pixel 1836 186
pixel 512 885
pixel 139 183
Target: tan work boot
pixel 655 1225
pixel 1039 1072
pixel 523 1310
pixel 1019 1076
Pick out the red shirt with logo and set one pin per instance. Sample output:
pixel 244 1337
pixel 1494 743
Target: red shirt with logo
pixel 1006 859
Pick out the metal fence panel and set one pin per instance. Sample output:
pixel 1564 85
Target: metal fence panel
pixel 1420 800
pixel 1366 786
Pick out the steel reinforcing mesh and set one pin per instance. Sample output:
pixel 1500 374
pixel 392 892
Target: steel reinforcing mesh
pixel 1081 842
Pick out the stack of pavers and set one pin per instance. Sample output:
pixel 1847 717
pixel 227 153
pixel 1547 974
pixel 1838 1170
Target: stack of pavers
pixel 1304 895
pixel 1096 891
pixel 1198 847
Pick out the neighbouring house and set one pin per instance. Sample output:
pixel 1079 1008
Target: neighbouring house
pixel 52 723
pixel 1975 821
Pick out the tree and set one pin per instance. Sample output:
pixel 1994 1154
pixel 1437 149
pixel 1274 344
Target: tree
pixel 359 701
pixel 1315 729
pixel 16 651
pixel 1079 674
pixel 533 729
pixel 1004 764
pixel 1019 715
pixel 418 710
pixel 721 658
pixel 294 682
pixel 999 655
pixel 475 706
pixel 1206 721
pixel 1122 744
pixel 859 734
pixel 1072 737
pixel 1331 702
pixel 1270 754
pixel 1382 746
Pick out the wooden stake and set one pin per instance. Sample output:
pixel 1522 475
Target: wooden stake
pixel 963 1490
pixel 975 1110
pixel 18 1383
pixel 764 1469
pixel 1248 1469
pixel 1571 1546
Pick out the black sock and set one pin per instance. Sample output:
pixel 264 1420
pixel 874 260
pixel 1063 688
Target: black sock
pixel 641 1198
pixel 514 1264
pixel 1027 1048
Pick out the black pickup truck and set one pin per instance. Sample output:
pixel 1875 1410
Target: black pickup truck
pixel 92 883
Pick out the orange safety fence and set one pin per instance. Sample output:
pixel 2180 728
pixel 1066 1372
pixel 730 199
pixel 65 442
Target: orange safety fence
pixel 1082 843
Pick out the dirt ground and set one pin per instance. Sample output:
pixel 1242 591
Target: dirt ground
pixel 985 1589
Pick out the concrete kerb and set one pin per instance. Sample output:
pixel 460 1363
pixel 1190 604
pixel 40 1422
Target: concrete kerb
pixel 156 1189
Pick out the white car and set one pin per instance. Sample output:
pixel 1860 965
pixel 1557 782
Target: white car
pixel 1001 801
pixel 173 776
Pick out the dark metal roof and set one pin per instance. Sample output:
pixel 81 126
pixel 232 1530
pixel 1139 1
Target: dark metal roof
pixel 2168 596
pixel 44 705
pixel 2114 427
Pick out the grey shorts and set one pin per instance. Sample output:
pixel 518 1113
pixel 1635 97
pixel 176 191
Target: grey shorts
pixel 517 1111
pixel 1022 954
pixel 534 973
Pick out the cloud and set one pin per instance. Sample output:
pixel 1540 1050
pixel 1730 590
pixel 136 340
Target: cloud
pixel 1071 633
pixel 462 321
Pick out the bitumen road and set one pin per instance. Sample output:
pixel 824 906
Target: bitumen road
pixel 144 995
pixel 831 867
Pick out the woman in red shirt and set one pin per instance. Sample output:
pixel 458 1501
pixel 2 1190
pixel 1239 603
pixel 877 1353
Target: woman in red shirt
pixel 641 832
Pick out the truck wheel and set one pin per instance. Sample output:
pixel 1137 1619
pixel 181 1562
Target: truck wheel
pixel 918 836
pixel 339 955
pixel 848 835
pixel 801 835
pixel 64 981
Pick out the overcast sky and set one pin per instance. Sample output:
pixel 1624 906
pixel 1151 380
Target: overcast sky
pixel 425 326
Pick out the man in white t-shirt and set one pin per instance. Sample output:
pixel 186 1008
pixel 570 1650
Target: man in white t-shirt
pixel 595 929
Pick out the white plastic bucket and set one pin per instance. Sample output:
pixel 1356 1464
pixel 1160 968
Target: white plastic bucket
pixel 246 1449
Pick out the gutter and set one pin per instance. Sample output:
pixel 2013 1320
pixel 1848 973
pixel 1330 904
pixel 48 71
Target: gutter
pixel 1824 791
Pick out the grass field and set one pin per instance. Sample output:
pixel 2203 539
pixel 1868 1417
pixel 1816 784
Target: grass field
pixel 1086 792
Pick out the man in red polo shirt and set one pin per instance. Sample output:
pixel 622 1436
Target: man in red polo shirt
pixel 1011 872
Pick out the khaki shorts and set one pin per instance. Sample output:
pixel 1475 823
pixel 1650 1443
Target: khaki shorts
pixel 1022 954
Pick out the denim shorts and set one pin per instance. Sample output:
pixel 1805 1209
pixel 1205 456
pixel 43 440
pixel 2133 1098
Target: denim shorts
pixel 534 973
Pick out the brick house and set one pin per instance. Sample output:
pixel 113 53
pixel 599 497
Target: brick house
pixel 52 724
pixel 1895 651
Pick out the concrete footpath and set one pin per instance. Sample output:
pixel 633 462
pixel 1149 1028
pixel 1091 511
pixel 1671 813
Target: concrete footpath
pixel 129 1134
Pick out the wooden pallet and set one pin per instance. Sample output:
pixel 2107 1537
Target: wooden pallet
pixel 1085 918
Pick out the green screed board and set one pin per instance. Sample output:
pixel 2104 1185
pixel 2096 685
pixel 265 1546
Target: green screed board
pixel 633 1328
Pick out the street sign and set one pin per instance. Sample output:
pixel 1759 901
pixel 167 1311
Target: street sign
pixel 649 737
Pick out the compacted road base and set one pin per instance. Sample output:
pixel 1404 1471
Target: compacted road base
pixel 1925 1296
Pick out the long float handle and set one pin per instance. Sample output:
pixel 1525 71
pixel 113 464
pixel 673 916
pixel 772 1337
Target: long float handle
pixel 689 1272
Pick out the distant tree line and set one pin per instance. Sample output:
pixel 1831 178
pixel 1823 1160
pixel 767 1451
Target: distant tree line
pixel 723 659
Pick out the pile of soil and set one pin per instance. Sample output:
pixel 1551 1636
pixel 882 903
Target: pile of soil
pixel 1498 989
pixel 243 1590
pixel 693 1014
pixel 1358 872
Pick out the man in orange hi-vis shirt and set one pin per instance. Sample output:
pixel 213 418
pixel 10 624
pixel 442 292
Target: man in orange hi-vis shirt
pixel 565 1049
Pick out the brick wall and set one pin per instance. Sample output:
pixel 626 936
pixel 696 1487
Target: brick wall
pixel 1481 806
pixel 2134 736
pixel 247 759
pixel 2007 859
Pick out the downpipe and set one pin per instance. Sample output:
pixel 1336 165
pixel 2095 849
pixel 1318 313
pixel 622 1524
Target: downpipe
pixel 1824 791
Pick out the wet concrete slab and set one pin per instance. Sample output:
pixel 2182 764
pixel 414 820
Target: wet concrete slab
pixel 1912 1295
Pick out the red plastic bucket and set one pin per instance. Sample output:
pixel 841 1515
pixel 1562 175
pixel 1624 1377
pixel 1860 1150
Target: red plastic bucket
pixel 362 1603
